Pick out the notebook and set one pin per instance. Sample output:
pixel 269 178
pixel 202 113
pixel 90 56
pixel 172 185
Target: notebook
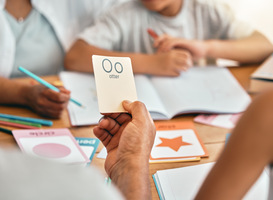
pixel 184 183
pixel 199 90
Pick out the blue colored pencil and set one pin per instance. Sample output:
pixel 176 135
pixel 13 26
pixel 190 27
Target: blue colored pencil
pixel 43 82
pixel 27 119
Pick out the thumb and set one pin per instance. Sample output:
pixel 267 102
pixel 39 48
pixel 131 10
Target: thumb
pixel 137 109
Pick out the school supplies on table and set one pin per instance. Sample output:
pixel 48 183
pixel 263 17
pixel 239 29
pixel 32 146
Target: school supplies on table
pixel 174 142
pixel 27 119
pixel 5 130
pixel 225 120
pixel 262 78
pixel 114 82
pixel 83 86
pixel 89 146
pixel 17 125
pixel 21 122
pixel 177 142
pixel 53 144
pixel 184 183
pixel 199 90
pixel 46 84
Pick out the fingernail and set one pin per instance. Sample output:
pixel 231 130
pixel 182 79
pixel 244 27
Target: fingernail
pixel 101 119
pixel 127 101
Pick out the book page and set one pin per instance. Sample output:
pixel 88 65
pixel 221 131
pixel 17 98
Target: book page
pixel 147 94
pixel 184 182
pixel 202 89
pixel 83 89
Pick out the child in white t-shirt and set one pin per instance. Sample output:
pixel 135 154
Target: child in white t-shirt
pixel 123 32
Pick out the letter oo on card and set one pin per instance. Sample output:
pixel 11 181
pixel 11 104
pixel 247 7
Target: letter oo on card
pixel 114 82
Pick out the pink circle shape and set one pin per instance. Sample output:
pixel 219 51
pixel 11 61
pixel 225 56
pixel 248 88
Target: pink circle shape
pixel 51 150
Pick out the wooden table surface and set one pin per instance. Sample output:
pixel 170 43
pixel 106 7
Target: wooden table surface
pixel 212 137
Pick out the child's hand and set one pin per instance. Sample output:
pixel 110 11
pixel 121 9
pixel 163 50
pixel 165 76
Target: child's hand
pixel 165 43
pixel 171 63
pixel 47 102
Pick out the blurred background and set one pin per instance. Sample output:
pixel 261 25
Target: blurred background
pixel 259 13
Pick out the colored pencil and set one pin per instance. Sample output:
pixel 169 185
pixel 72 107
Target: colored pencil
pixel 27 119
pixel 6 130
pixel 21 122
pixel 46 84
pixel 17 125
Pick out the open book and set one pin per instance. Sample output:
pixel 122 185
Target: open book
pixel 184 183
pixel 199 90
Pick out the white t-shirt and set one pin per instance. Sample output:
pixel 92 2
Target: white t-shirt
pixel 29 178
pixel 124 28
pixel 67 18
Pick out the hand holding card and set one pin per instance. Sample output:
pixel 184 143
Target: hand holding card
pixel 114 82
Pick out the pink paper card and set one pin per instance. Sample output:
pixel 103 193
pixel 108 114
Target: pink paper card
pixel 225 120
pixel 53 144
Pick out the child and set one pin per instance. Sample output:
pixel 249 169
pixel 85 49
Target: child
pixel 36 35
pixel 123 32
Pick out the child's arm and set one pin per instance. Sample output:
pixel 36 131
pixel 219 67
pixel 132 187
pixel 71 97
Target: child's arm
pixel 252 49
pixel 249 150
pixel 79 58
pixel 42 100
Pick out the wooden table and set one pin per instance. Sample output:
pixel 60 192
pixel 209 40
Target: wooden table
pixel 212 137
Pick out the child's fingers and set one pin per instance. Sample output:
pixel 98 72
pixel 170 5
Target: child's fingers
pixel 160 39
pixel 152 33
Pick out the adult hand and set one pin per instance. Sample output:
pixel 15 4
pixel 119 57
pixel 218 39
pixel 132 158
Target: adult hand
pixel 47 102
pixel 128 137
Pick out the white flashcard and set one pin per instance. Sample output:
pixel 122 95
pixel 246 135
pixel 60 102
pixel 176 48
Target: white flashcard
pixel 114 82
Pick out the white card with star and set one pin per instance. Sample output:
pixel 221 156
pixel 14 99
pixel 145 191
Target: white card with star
pixel 175 144
pixel 114 82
